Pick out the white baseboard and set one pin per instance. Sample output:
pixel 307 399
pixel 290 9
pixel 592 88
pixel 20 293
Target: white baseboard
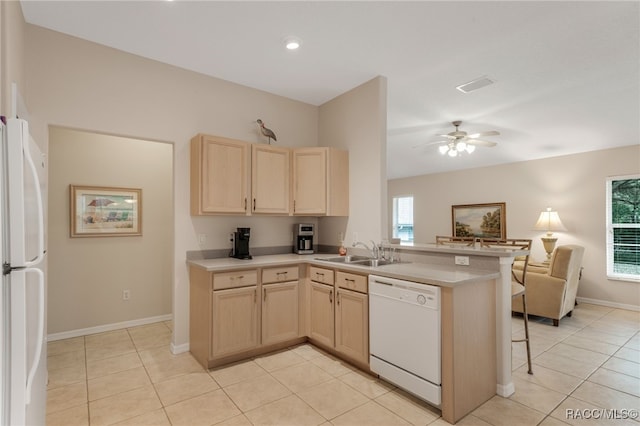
pixel 505 390
pixel 608 303
pixel 107 327
pixel 178 349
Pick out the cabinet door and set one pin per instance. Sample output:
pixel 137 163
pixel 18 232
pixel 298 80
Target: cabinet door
pixel 310 181
pixel 352 325
pixel 279 312
pixel 218 175
pixel 321 327
pixel 270 179
pixel 234 321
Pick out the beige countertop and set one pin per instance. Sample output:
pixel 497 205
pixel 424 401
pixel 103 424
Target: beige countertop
pixel 440 275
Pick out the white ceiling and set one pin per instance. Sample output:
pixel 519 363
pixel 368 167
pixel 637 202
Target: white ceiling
pixel 566 73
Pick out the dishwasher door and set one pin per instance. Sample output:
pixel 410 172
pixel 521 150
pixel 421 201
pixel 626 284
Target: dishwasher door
pixel 404 326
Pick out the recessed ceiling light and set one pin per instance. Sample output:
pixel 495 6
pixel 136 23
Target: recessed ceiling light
pixel 292 43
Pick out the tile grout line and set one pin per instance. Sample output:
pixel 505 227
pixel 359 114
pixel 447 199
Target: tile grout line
pixel 149 377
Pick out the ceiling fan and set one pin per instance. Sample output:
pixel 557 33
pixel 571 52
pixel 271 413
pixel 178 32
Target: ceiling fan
pixel 459 141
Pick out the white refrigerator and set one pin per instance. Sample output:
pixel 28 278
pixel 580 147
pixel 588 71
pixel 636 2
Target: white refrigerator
pixel 22 299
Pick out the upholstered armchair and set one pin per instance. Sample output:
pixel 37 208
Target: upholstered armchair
pixel 551 293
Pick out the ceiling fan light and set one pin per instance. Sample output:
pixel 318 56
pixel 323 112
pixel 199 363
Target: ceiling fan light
pixel 470 148
pixel 461 146
pixel 443 149
pixel 453 153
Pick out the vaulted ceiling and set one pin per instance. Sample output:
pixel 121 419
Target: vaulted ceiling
pixel 566 74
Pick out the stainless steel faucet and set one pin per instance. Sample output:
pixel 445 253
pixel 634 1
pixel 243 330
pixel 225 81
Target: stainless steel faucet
pixel 373 250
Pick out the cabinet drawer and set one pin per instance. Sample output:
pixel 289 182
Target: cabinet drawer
pixel 235 279
pixel 351 281
pixel 321 275
pixel 277 275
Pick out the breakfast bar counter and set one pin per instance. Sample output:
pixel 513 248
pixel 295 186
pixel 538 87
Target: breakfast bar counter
pixel 440 275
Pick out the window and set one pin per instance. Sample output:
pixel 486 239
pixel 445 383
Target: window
pixel 623 228
pixel 403 218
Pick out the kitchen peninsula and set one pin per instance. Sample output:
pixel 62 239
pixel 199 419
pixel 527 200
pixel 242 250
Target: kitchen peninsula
pixel 476 310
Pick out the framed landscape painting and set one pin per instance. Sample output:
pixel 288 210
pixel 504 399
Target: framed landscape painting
pixel 479 220
pixel 105 212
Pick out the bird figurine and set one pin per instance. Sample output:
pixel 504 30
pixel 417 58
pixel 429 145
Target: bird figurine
pixel 266 132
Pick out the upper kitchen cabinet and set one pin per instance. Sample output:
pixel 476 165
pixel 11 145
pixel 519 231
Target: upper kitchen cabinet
pixel 219 170
pixel 270 179
pixel 320 182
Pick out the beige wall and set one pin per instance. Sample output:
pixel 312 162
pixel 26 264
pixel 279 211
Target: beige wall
pixel 78 84
pixel 12 28
pixel 357 121
pixel 573 185
pixel 88 275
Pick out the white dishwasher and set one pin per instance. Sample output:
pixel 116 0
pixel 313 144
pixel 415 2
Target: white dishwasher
pixel 404 335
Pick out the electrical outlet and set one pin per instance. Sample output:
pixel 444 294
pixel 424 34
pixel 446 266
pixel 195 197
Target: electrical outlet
pixel 462 260
pixel 340 237
pixel 202 238
pixel 355 237
pixel 126 294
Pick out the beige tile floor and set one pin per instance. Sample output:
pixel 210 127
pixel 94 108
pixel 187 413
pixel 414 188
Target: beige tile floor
pixel 129 377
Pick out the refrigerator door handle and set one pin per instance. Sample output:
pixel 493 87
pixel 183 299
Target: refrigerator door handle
pixel 40 332
pixel 40 212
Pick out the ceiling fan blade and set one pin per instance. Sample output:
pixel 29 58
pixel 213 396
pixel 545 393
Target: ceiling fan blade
pixel 479 142
pixel 481 134
pixel 421 144
pixel 446 136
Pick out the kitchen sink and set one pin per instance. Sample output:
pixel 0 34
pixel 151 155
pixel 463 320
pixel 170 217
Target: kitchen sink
pixel 375 262
pixel 357 260
pixel 345 259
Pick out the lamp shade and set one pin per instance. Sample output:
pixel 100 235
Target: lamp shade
pixel 549 221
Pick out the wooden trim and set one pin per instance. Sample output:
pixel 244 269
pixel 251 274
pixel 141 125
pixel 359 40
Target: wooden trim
pixel 200 314
pixel 469 363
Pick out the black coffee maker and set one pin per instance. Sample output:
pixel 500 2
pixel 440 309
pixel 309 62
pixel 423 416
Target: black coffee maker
pixel 241 243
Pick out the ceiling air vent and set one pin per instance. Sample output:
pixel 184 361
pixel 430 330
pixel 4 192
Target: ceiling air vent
pixel 476 84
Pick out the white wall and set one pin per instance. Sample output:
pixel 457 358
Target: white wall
pixel 82 85
pixel 88 275
pixel 573 185
pixel 357 121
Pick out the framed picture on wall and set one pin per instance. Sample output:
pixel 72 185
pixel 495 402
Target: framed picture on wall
pixel 479 220
pixel 98 211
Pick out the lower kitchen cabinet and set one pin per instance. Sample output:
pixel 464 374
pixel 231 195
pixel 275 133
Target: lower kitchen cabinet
pixel 239 314
pixel 339 313
pixel 279 312
pixel 321 313
pixel 352 324
pixel 352 316
pixel 234 321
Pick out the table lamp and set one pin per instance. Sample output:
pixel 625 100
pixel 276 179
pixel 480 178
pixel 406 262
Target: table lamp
pixel 549 221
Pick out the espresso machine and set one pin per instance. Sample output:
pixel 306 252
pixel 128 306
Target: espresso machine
pixel 241 243
pixel 303 238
